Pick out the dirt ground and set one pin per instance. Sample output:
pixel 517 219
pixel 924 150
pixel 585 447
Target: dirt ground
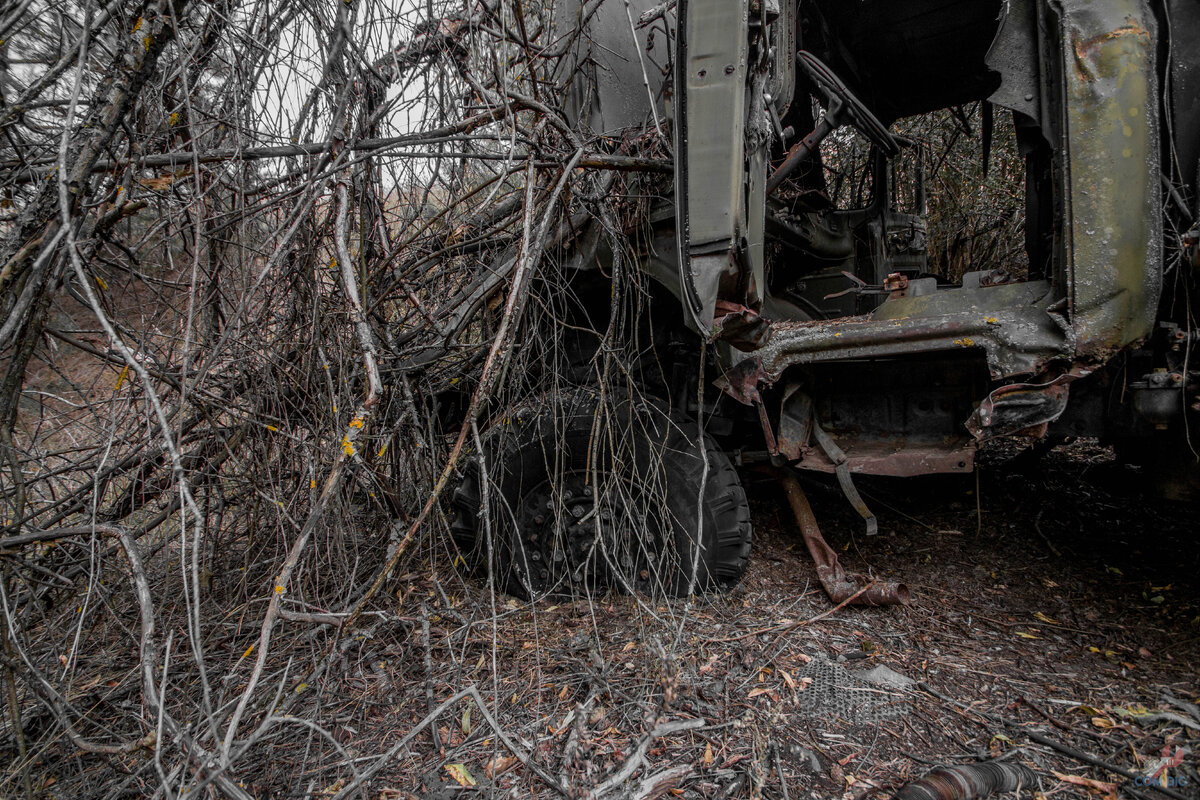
pixel 1065 607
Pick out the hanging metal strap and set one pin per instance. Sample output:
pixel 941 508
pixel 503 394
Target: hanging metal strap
pixel 842 469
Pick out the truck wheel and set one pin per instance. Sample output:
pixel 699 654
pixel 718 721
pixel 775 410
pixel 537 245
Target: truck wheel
pixel 583 496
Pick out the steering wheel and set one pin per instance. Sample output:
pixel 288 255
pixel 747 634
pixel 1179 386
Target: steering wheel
pixel 851 108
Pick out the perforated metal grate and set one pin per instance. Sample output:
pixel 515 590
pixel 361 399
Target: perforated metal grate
pixel 856 697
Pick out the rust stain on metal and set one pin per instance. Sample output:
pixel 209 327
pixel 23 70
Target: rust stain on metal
pixel 1085 47
pixel 838 585
pixel 740 326
pixel 741 382
pixel 898 458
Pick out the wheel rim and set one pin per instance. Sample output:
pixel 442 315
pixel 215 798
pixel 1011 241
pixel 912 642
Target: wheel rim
pixel 570 537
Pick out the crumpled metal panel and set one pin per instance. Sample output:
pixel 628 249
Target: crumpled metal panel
pixel 1014 54
pixel 1007 322
pixel 1111 135
pixel 710 145
pixel 1020 409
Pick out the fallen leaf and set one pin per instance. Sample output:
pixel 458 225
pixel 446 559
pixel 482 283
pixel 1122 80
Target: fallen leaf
pixel 466 722
pixel 498 765
pixel 157 184
pixel 1109 790
pixel 1044 618
pixel 1103 722
pixel 708 755
pixel 1132 712
pixel 460 774
pixel 1025 635
pixel 788 679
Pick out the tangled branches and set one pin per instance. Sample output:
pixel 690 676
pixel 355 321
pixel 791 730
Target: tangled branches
pixel 263 268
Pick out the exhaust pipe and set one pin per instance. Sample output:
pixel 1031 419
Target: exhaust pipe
pixel 838 585
pixel 968 782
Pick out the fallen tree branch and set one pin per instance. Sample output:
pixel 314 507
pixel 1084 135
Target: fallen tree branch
pixel 637 758
pixel 472 693
pixel 497 359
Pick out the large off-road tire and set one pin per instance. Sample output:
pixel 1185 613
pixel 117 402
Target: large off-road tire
pixel 583 495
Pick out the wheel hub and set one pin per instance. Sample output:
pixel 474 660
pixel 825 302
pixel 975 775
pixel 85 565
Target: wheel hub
pixel 571 537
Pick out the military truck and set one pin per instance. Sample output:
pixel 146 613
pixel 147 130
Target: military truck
pixel 831 346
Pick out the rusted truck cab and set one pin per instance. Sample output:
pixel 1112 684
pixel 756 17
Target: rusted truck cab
pixel 829 329
pixel 803 325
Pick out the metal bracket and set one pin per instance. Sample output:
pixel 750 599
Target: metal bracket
pixel 842 470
